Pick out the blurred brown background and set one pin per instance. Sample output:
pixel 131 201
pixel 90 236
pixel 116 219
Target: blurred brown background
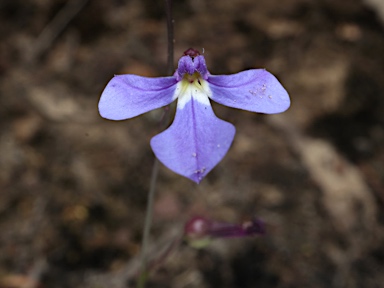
pixel 73 186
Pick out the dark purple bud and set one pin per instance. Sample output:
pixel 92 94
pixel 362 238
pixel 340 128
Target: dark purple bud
pixel 254 227
pixel 199 227
pixel 191 53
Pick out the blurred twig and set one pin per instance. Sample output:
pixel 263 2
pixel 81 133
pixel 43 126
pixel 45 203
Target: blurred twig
pixel 38 269
pixel 53 29
pixel 157 252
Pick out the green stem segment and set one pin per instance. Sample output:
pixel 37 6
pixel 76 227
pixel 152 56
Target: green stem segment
pixel 147 225
pixel 155 169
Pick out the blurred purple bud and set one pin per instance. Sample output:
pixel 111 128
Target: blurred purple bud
pixel 200 227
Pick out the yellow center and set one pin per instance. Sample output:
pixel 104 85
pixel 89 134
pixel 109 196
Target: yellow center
pixel 192 86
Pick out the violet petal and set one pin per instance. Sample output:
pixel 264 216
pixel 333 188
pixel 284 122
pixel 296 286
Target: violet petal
pixel 254 90
pixel 127 96
pixel 185 66
pixel 195 142
pixel 189 65
pixel 201 66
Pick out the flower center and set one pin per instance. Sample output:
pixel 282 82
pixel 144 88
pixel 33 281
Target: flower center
pixel 192 78
pixel 192 86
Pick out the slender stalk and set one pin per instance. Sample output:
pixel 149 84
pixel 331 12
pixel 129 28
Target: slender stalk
pixel 54 28
pixel 171 37
pixel 147 225
pixel 155 169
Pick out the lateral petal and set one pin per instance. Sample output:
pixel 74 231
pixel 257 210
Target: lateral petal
pixel 196 141
pixel 254 90
pixel 127 96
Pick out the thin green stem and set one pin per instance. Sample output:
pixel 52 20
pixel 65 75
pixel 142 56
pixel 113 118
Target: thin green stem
pixel 155 169
pixel 147 225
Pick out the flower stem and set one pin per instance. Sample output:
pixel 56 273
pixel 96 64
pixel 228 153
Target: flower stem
pixel 155 169
pixel 171 37
pixel 147 225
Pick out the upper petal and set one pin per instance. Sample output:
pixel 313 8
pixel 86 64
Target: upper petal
pixel 190 65
pixel 201 66
pixel 127 96
pixel 184 66
pixel 254 90
pixel 196 141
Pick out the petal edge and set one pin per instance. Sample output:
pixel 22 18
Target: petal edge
pixel 127 96
pixel 254 90
pixel 195 142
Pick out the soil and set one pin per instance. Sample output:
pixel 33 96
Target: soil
pixel 73 186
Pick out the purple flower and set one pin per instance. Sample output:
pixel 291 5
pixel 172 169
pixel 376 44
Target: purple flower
pixel 197 140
